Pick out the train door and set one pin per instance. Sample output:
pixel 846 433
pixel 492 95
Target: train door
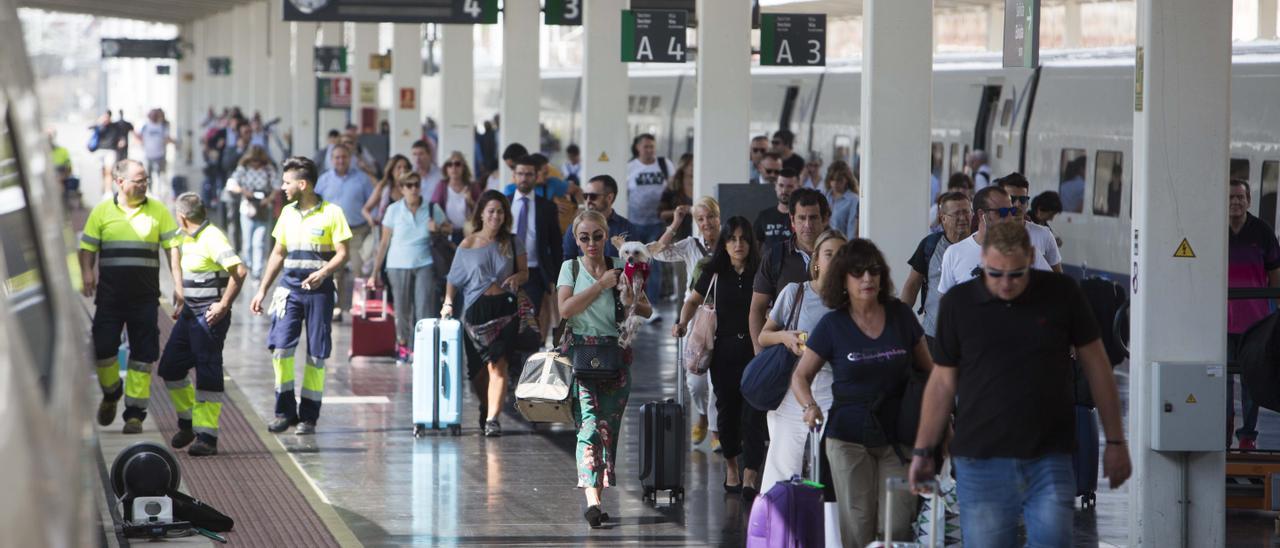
pixel 988 112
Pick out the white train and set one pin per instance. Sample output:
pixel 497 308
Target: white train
pixel 46 443
pixel 1075 112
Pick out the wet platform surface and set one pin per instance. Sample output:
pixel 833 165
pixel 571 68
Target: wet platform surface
pixel 392 489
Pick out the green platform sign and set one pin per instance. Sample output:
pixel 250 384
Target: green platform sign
pixel 788 39
pixel 330 59
pixel 219 66
pixel 564 12
pixel 476 12
pixel 654 36
pixel 1021 33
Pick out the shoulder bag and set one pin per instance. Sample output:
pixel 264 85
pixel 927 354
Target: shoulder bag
pixel 767 378
pixel 596 358
pixel 528 338
pixel 442 250
pixel 702 333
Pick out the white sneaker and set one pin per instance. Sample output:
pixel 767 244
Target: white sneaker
pixel 655 318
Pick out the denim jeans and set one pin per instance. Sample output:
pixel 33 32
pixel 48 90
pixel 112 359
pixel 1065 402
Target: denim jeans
pixel 253 244
pixel 995 492
pixel 647 234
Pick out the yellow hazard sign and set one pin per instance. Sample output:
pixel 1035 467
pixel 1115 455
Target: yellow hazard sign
pixel 604 157
pixel 1191 398
pixel 1184 250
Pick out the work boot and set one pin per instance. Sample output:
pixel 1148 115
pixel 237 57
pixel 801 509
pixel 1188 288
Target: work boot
pixel 183 438
pixel 305 429
pixel 107 411
pixel 202 448
pixel 132 426
pixel 280 424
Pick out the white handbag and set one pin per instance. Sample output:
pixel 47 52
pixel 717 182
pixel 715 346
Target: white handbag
pixel 702 333
pixel 545 390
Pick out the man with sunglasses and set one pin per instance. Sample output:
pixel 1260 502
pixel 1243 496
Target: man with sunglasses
pixel 769 168
pixel 759 146
pixel 598 195
pixel 1003 349
pixel 1042 238
pixel 961 261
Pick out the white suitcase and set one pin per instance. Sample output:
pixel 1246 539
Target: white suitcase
pixel 437 376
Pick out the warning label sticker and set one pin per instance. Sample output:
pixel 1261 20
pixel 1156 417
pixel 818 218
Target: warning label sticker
pixel 1191 398
pixel 1184 250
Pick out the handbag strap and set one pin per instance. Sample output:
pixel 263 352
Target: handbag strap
pixel 713 291
pixel 794 320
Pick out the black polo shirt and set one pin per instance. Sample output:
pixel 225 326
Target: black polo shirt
pixel 1014 391
pixel 732 295
pixel 785 263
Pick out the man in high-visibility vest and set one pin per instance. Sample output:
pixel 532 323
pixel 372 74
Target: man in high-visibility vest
pixel 311 244
pixel 122 239
pixel 212 276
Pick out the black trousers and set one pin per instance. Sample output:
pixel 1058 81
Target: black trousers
pixel 743 430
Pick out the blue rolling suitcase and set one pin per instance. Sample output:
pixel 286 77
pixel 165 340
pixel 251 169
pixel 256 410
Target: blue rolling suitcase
pixel 437 376
pixel 1085 459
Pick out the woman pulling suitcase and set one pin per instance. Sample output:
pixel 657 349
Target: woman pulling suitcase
pixel 587 296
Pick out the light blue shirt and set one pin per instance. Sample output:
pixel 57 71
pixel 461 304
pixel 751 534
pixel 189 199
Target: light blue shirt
pixel 349 193
pixel 844 214
pixel 410 245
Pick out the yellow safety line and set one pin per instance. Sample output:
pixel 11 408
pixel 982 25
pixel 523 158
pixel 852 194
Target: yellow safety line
pixel 337 527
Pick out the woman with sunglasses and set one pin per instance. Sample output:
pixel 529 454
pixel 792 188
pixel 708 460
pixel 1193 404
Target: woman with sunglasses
pixel 587 305
pixel 405 248
pixel 454 201
pixel 872 341
pixel 726 278
pixel 386 190
pixel 489 268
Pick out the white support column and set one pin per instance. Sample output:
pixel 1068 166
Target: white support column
pixel 258 75
pixel 241 65
pixel 897 82
pixel 457 95
pixel 1180 146
pixel 185 111
pixel 363 44
pixel 406 74
pixel 604 97
pixel 995 26
pixel 281 72
pixel 722 117
pixel 1071 34
pixel 1266 19
pixel 304 89
pixel 521 77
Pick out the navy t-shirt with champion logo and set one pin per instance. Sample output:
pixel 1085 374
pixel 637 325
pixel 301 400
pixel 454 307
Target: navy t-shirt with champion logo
pixel 865 368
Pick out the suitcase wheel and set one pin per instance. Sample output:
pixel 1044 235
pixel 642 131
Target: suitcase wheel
pixel 649 494
pixel 419 430
pixel 455 430
pixel 1089 501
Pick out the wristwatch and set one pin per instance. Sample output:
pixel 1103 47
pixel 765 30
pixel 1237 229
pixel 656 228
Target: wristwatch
pixel 924 452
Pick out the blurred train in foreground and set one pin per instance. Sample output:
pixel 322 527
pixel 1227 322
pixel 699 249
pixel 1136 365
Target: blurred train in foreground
pixel 1069 123
pixel 50 482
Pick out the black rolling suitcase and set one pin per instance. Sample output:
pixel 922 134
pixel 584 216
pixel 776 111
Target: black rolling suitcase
pixel 1084 462
pixel 662 435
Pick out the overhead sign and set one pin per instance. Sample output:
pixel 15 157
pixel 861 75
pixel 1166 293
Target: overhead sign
pixel 793 39
pixel 333 92
pixel 670 5
pixel 380 63
pixel 152 49
pixel 563 12
pixel 331 59
pixel 408 98
pixel 368 92
pixel 1021 33
pixel 219 66
pixel 481 12
pixel 654 36
pixel 163 70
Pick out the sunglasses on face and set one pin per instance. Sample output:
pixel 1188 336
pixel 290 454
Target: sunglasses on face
pixel 1003 211
pixel 773 172
pixel 776 143
pixel 1024 200
pixel 410 185
pixel 588 238
pixel 453 164
pixel 1012 274
pixel 592 195
pixel 859 271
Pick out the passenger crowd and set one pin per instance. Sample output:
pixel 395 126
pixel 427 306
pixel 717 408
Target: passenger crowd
pixel 997 328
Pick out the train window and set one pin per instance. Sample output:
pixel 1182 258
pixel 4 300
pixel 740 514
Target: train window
pixel 957 161
pixel 1073 165
pixel 1006 113
pixel 935 160
pixel 1108 182
pixel 642 104
pixel 24 287
pixel 1270 182
pixel 1240 169
pixel 654 102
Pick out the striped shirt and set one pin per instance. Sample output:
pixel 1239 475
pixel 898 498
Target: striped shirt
pixel 308 238
pixel 207 260
pixel 128 245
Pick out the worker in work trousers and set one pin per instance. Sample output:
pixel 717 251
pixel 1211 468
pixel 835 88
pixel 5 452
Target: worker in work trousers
pixel 120 267
pixel 212 278
pixel 311 244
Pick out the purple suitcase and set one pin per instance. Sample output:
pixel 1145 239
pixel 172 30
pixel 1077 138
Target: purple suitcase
pixel 790 513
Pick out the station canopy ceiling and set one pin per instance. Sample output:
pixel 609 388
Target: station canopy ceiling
pixel 178 11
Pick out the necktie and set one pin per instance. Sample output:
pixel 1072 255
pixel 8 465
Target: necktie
pixel 523 221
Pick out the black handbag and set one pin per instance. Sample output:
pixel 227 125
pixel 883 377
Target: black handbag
pixel 442 250
pixel 602 358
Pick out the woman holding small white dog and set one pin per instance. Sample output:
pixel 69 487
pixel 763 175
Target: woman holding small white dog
pixel 692 251
pixel 588 303
pixel 727 280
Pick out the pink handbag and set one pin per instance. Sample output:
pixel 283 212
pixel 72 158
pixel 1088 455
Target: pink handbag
pixel 702 333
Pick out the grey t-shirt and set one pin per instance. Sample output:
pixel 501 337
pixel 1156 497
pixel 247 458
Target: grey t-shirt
pixel 930 322
pixel 475 269
pixel 811 309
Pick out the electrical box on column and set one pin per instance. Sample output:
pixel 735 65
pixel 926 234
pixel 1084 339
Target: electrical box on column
pixel 1190 406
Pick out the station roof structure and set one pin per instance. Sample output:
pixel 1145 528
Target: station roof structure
pixel 179 11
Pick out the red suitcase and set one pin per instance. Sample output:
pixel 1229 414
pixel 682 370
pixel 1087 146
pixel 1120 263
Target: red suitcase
pixel 373 323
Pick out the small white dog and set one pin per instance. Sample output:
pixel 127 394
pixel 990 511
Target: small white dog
pixel 634 277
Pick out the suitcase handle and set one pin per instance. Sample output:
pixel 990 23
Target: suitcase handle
pixel 935 509
pixel 380 293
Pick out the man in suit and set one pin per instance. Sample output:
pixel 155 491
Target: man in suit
pixel 535 221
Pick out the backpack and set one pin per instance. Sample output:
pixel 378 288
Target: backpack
pixel 930 247
pixel 662 166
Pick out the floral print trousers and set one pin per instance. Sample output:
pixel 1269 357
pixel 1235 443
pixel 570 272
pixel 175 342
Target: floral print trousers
pixel 598 414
